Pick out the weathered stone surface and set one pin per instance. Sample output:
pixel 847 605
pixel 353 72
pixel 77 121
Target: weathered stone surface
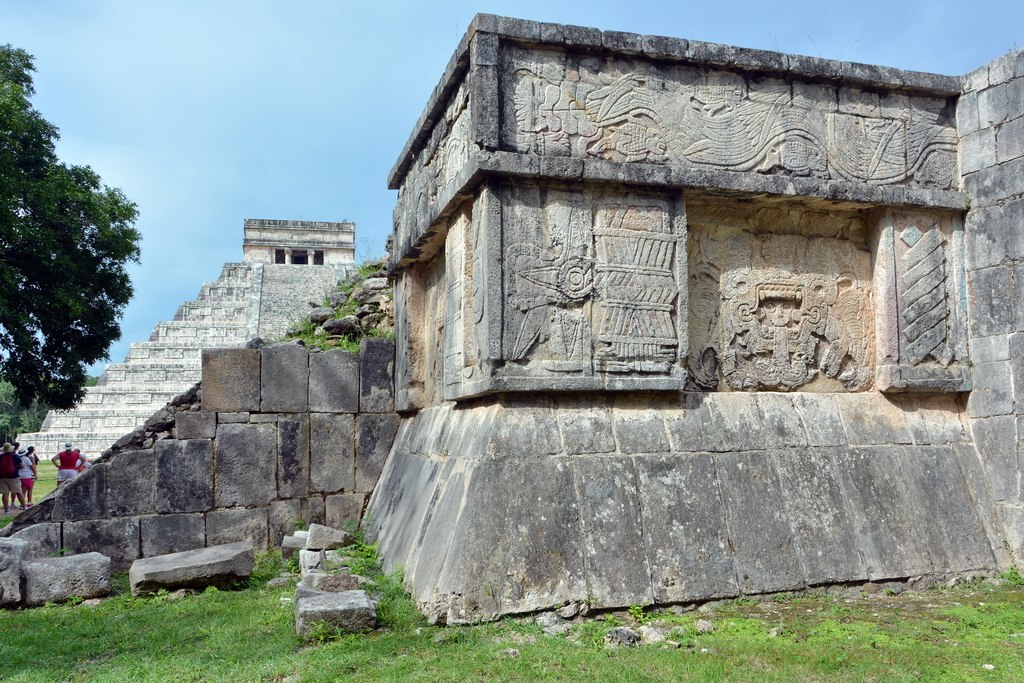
pixel 685 528
pixel 220 565
pixel 231 380
pixel 334 382
pixel 293 457
pixel 344 510
pixel 84 496
pixel 43 540
pixel 346 611
pixel 116 538
pixel 56 579
pixel 331 453
pixel 587 430
pixel 232 526
pixel 183 475
pixel 283 516
pixel 164 534
pixel 327 538
pixel 284 378
pixel 195 425
pixel 871 419
pixel 131 483
pixel 638 428
pixel 765 553
pixel 12 551
pixel 246 464
pixel 291 545
pixel 374 435
pixel 376 372
pixel 313 510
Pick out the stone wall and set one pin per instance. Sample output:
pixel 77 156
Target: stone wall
pixel 990 118
pixel 279 294
pixel 678 321
pixel 273 436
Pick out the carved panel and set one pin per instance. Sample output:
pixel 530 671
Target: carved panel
pixel 921 255
pixel 778 312
pixel 632 111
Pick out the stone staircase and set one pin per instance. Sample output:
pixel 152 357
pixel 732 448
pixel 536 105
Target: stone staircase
pixel 153 371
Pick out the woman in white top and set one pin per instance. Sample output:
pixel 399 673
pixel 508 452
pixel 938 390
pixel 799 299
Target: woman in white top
pixel 28 473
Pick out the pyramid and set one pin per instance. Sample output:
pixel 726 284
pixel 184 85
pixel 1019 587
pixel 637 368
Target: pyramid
pixel 286 264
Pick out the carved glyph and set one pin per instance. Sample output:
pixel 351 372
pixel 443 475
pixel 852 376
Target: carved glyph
pixel 569 106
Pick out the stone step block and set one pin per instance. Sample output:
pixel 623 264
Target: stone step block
pixel 11 553
pixel 348 611
pixel 220 566
pixel 55 579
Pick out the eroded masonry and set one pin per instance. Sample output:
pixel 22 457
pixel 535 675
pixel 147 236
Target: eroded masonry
pixel 678 321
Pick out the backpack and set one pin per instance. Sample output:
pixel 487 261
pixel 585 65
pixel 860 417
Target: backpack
pixel 10 463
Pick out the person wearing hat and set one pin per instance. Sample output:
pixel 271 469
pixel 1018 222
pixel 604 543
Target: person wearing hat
pixel 66 462
pixel 10 484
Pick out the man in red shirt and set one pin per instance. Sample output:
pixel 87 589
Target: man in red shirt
pixel 67 463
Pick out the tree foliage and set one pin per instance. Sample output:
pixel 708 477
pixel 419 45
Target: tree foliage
pixel 65 242
pixel 16 418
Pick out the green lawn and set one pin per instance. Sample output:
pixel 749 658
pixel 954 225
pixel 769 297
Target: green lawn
pixel 47 482
pixel 248 635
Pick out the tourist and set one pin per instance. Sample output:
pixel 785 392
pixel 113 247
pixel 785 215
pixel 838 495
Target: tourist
pixel 66 462
pixel 84 463
pixel 28 474
pixel 10 483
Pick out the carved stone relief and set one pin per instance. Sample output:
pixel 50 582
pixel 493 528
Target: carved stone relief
pixel 779 312
pixel 628 111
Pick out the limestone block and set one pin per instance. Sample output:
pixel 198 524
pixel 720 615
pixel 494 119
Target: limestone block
pixel 587 429
pixel 889 537
pixel 993 389
pixel 184 475
pixel 231 380
pixel 334 382
pixel 323 537
pixel 765 553
pixel 696 427
pixel 290 545
pixel 638 428
pixel 164 534
pixel 43 540
pixel 685 528
pixel 978 150
pixel 347 611
pixel 283 515
pixel 331 453
pixel 232 526
pixel 871 419
pixel 293 457
pixel 84 497
pixel 375 433
pixel 195 425
pixel 526 432
pixel 12 551
pixel 131 483
pixel 220 565
pixel 613 535
pixel 116 538
pixel 246 464
pixel 991 310
pixel 344 509
pixel 822 525
pixel 232 418
pixel 376 375
pixel 313 510
pixel 995 439
pixel 284 378
pixel 56 579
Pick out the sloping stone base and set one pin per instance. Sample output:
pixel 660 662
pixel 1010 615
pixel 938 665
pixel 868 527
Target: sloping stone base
pixel 503 508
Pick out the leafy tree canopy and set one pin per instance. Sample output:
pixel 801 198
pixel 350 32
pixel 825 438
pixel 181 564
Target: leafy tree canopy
pixel 65 242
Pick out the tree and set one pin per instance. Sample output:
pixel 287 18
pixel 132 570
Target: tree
pixel 65 242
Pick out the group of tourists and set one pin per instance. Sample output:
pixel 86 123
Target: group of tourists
pixel 19 470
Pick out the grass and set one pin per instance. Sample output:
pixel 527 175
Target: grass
pixel 248 635
pixel 46 482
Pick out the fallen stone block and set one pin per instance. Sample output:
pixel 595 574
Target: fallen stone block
pixel 55 579
pixel 11 552
pixel 325 538
pixel 345 611
pixel 291 545
pixel 333 583
pixel 219 566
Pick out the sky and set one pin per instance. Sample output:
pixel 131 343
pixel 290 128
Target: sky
pixel 208 112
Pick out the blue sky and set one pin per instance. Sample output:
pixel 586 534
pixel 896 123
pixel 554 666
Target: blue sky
pixel 209 112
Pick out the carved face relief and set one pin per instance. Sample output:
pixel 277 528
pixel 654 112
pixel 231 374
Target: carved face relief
pixel 795 314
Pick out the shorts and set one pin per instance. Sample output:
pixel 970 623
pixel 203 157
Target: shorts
pixel 66 475
pixel 10 485
pixel 27 484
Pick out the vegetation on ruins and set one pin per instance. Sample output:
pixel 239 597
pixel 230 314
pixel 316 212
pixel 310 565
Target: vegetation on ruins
pixel 971 632
pixel 65 241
